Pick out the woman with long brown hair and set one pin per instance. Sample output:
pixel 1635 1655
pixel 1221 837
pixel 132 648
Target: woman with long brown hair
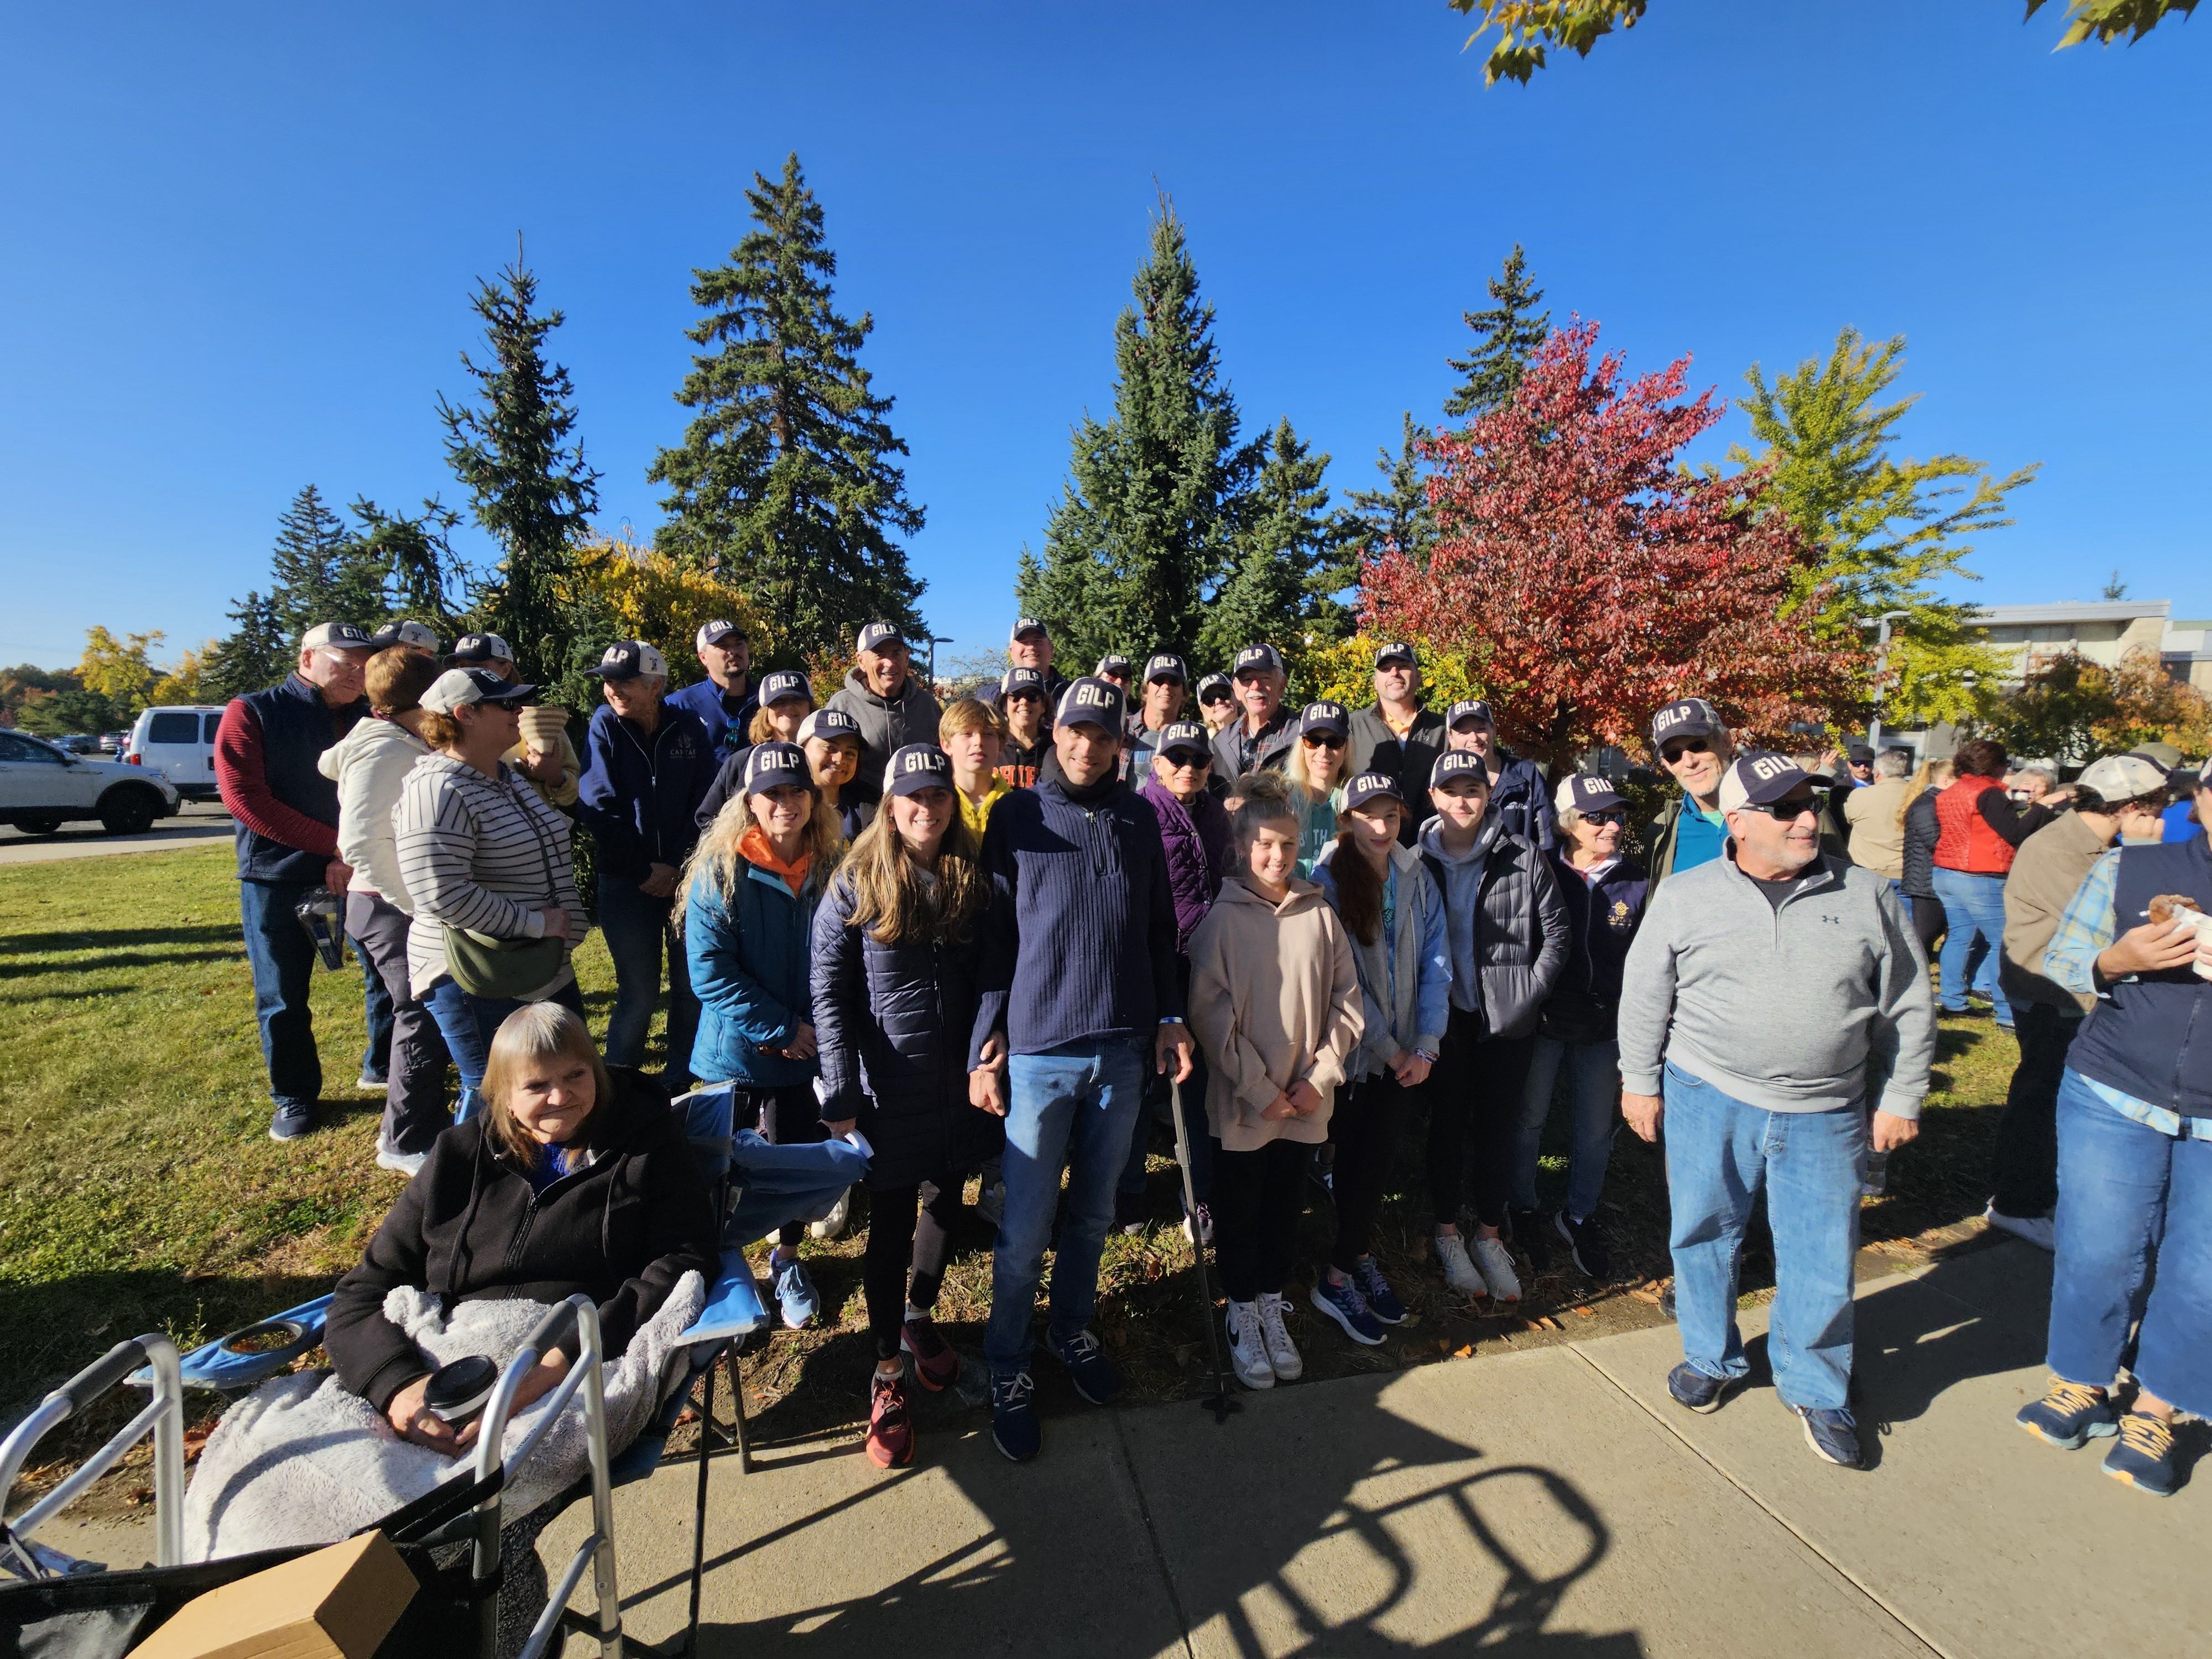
pixel 896 941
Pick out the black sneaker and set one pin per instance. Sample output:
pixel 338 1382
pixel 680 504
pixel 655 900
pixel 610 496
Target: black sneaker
pixel 1586 1244
pixel 1529 1232
pixel 294 1118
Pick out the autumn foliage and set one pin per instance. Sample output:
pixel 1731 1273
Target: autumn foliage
pixel 1588 579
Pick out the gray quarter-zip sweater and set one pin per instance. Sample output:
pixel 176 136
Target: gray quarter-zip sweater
pixel 1814 1004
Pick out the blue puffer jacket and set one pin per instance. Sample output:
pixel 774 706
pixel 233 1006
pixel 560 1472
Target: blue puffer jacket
pixel 747 953
pixel 893 1023
pixel 1602 919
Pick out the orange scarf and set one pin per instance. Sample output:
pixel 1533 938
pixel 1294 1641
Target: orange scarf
pixel 754 846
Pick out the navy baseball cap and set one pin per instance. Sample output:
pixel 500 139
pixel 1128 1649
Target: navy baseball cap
pixel 878 635
pixel 715 632
pixel 1167 666
pixel 1091 702
pixel 1372 786
pixel 828 723
pixel 1469 709
pixel 1325 717
pixel 1582 793
pixel 472 648
pixel 1026 626
pixel 338 636
pixel 1023 681
pixel 1397 651
pixel 630 660
pixel 771 765
pixel 1186 736
pixel 1759 780
pixel 1213 686
pixel 784 683
pixel 1114 663
pixel 1458 763
pixel 917 767
pixel 1687 717
pixel 1255 657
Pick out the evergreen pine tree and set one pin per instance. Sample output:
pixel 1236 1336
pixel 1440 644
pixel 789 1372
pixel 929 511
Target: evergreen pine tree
pixel 1146 526
pixel 526 474
pixel 255 653
pixel 1293 557
pixel 319 571
pixel 1399 514
pixel 1507 336
pixel 423 576
pixel 785 477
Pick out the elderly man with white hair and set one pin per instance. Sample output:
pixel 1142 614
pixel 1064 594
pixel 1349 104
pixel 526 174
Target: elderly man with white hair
pixel 1769 992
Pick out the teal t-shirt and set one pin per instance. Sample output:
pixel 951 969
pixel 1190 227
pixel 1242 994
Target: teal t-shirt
pixel 1697 838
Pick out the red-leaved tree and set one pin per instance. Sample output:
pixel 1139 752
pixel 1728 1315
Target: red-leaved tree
pixel 1590 580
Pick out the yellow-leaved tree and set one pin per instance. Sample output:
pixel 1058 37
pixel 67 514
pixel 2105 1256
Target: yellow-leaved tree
pixel 1344 671
pixel 639 593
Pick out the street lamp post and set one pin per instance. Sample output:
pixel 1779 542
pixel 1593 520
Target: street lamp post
pixel 1880 668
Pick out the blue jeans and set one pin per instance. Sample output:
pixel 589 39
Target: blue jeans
pixel 637 928
pixel 1593 1071
pixel 1720 1152
pixel 283 959
pixel 1974 920
pixel 1070 1106
pixel 1203 1145
pixel 2135 1242
pixel 468 1024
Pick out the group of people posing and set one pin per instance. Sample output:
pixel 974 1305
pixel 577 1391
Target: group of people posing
pixel 992 937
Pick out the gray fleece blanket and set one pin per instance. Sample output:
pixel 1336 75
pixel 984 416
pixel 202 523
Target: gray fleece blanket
pixel 302 1460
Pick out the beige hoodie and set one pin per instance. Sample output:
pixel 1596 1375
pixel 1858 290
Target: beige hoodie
pixel 369 764
pixel 1274 999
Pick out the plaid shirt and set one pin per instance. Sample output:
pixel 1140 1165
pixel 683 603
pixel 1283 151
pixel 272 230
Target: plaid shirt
pixel 2090 925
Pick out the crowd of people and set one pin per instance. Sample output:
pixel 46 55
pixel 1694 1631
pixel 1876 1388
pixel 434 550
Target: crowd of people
pixel 993 940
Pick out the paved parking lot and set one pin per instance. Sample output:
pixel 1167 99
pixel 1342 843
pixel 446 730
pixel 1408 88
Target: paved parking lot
pixel 199 821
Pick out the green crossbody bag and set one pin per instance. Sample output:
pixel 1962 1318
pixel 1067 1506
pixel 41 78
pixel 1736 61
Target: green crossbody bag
pixel 486 966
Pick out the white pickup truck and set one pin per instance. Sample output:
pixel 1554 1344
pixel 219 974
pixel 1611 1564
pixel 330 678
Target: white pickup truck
pixel 41 789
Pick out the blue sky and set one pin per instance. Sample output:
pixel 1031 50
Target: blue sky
pixel 236 244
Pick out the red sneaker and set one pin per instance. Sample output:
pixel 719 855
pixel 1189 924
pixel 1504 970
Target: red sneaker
pixel 890 1431
pixel 935 1365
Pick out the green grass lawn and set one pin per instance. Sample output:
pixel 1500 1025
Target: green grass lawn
pixel 139 1189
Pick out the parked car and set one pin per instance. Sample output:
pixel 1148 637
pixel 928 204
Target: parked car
pixel 76 742
pixel 111 743
pixel 42 787
pixel 177 742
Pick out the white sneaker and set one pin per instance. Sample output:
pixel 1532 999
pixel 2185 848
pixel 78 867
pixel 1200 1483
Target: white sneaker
pixel 1282 1352
pixel 832 1224
pixel 1496 1270
pixel 1459 1272
pixel 2037 1229
pixel 405 1164
pixel 1248 1348
pixel 369 1085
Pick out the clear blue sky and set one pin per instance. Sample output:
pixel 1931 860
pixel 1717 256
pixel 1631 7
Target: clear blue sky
pixel 237 243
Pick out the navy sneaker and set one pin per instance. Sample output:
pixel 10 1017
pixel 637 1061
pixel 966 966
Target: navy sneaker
pixel 1382 1301
pixel 1348 1308
pixel 1013 1417
pixel 2070 1416
pixel 1832 1435
pixel 2144 1456
pixel 1088 1368
pixel 1692 1388
pixel 294 1118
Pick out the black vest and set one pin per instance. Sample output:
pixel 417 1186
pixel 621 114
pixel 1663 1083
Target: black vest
pixel 2152 1040
pixel 296 727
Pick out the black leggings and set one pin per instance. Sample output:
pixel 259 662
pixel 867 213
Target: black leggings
pixel 1475 1095
pixel 1365 1130
pixel 906 1224
pixel 1256 1199
pixel 1929 923
pixel 786 1117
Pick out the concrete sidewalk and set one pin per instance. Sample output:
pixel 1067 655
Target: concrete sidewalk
pixel 1550 1502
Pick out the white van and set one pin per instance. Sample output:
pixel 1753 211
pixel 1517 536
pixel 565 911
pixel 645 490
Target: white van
pixel 178 743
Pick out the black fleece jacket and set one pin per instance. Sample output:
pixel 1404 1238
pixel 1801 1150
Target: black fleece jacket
pixel 621 1231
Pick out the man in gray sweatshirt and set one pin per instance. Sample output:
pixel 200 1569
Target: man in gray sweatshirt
pixel 1772 996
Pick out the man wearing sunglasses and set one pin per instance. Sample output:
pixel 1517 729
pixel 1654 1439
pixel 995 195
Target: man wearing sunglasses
pixel 1770 992
pixel 1691 743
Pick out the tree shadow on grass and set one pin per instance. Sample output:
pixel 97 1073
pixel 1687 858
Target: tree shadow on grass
pixel 116 938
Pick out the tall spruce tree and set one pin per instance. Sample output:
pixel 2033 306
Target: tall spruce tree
pixel 319 570
pixel 423 578
pixel 1293 557
pixel 1507 335
pixel 1147 527
pixel 1399 514
pixel 785 479
pixel 516 452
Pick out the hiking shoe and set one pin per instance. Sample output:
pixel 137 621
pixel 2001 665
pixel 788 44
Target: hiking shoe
pixel 794 1292
pixel 1248 1348
pixel 1497 1265
pixel 369 1084
pixel 293 1118
pixel 1691 1387
pixel 1129 1213
pixel 2038 1230
pixel 833 1225
pixel 2144 1456
pixel 1282 1352
pixel 404 1164
pixel 1343 1304
pixel 1203 1232
pixel 935 1365
pixel 1528 1228
pixel 1088 1368
pixel 1382 1301
pixel 2070 1416
pixel 1586 1244
pixel 1832 1435
pixel 1459 1272
pixel 891 1429
pixel 1013 1417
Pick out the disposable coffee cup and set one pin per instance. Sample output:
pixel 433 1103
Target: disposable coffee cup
pixel 2198 922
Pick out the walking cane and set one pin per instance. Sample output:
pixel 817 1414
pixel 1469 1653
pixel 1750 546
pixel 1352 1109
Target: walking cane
pixel 1220 1402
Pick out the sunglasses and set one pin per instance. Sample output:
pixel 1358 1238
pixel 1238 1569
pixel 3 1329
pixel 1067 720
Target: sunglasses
pixel 1682 746
pixel 1783 811
pixel 1614 816
pixel 1323 740
pixel 1183 761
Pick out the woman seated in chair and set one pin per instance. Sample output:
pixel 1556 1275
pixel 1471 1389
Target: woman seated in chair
pixel 565 1184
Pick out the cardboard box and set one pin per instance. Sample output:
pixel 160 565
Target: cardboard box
pixel 337 1603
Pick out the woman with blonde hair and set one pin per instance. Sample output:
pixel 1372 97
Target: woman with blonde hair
pixel 565 1184
pixel 1318 765
pixel 786 701
pixel 749 892
pixel 1916 815
pixel 897 940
